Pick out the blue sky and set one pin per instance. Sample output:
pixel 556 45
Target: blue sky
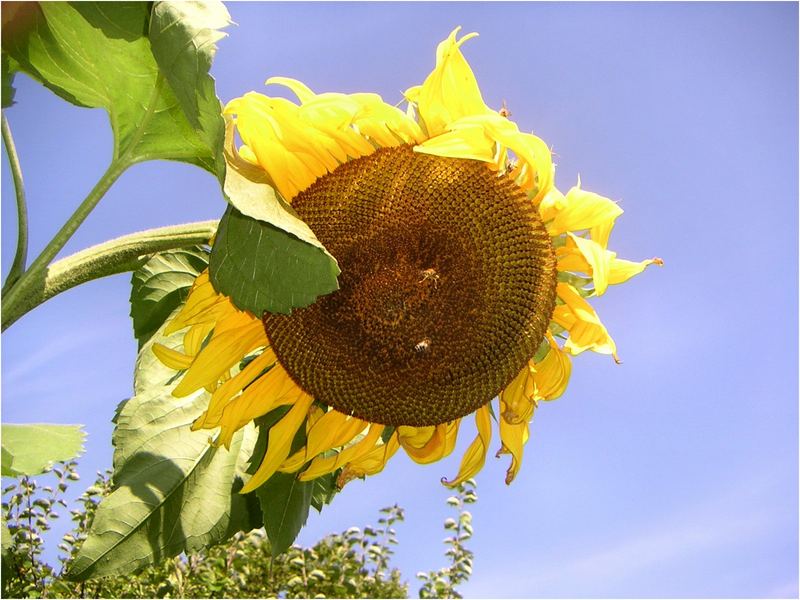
pixel 674 474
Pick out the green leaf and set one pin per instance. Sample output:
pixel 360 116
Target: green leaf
pixel 264 268
pixel 34 448
pixel 324 490
pixel 183 37
pixel 284 504
pixel 98 54
pixel 174 492
pixel 7 555
pixel 9 69
pixel 160 286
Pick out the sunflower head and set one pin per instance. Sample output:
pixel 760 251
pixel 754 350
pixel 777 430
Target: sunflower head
pixel 465 275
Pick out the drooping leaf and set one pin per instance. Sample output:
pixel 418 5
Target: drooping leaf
pixel 284 504
pixel 9 69
pixel 32 448
pixel 264 268
pixel 161 285
pixel 98 54
pixel 174 492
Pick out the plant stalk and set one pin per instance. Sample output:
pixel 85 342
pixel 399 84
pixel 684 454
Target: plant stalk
pixel 21 255
pixel 126 253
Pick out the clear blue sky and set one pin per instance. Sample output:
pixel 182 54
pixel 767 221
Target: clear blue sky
pixel 674 474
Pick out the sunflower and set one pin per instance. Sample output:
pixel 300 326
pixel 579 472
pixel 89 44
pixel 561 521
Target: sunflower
pixel 465 274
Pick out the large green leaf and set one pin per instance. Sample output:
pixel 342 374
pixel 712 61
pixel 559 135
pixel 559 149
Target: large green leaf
pixel 32 448
pixel 174 492
pixel 161 285
pixel 264 268
pixel 98 54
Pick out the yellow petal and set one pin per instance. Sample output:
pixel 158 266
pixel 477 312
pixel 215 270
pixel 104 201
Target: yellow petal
pixel 332 430
pixel 371 463
pixel 580 210
pixel 243 378
pixel 269 391
pixel 586 332
pixel 425 445
pixel 323 465
pixel 475 456
pixel 465 142
pixel 280 442
pixel 518 399
pixel 172 358
pixel 598 259
pixel 222 352
pixel 621 270
pixel 513 437
pixel 195 336
pixel 451 90
pixel 551 374
pixel 300 89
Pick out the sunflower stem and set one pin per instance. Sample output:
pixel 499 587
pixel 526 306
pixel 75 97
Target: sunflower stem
pixel 21 255
pixel 30 282
pixel 119 255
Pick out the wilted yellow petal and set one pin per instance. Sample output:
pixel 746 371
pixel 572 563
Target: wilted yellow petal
pixel 223 351
pixel 322 465
pixel 451 90
pixel 428 444
pixel 580 210
pixel 518 398
pixel 172 358
pixel 475 456
pixel 332 430
pixel 466 142
pixel 371 463
pixel 551 374
pixel 621 270
pixel 598 259
pixel 280 442
pixel 513 437
pixel 586 332
pixel 272 389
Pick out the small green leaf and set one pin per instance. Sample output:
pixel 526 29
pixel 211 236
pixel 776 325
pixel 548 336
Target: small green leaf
pixel 324 490
pixel 32 449
pixel 174 491
pixel 9 69
pixel 264 268
pixel 284 504
pixel 7 554
pixel 160 286
pixel 98 54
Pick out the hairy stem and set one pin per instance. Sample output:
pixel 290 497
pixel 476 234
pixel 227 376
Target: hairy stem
pixel 21 255
pixel 126 253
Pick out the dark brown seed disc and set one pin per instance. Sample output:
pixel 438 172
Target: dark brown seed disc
pixel 447 286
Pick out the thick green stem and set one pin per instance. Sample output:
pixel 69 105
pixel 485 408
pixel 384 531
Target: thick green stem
pixel 21 255
pixel 122 254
